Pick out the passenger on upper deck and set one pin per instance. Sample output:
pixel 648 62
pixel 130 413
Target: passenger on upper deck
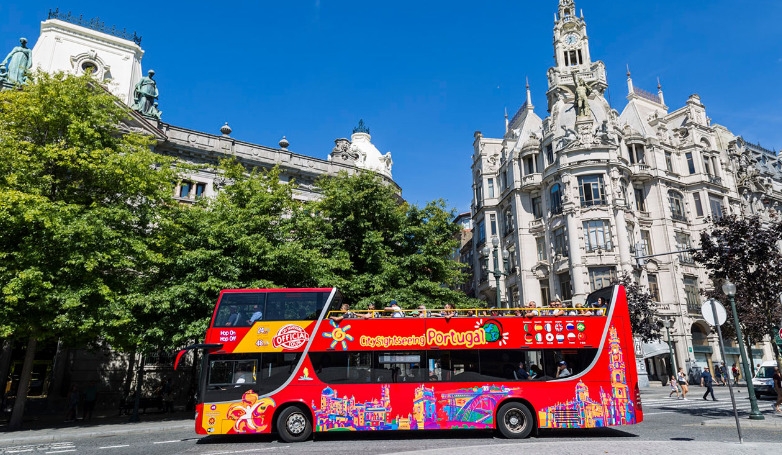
pixel 494 312
pixel 396 309
pixel 555 308
pixel 233 317
pixel 448 311
pixel 371 312
pixel 532 309
pixel 257 314
pixel 346 313
pixel 601 307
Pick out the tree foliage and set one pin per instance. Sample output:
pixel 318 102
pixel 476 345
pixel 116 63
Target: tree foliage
pixel 643 310
pixel 79 202
pixel 395 250
pixel 746 251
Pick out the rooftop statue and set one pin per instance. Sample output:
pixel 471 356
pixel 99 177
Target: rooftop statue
pixel 582 99
pixel 14 68
pixel 144 95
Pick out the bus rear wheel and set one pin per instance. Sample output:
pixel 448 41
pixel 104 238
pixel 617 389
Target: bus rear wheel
pixel 514 420
pixel 294 425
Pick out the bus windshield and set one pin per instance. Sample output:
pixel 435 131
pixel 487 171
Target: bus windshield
pixel 241 308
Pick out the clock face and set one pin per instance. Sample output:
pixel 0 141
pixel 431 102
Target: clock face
pixel 571 38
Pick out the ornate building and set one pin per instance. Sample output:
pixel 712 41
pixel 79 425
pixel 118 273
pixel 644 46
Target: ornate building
pixel 73 45
pixel 574 197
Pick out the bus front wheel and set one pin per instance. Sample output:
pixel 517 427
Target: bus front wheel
pixel 514 420
pixel 294 425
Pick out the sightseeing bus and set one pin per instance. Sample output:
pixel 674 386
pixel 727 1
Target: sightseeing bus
pixel 292 362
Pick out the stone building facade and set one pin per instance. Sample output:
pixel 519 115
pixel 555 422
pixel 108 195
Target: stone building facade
pixel 574 196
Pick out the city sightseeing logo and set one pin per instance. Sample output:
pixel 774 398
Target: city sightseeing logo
pixel 290 337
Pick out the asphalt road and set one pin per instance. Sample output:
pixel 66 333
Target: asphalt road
pixel 695 426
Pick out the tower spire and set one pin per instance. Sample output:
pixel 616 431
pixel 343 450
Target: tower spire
pixel 506 120
pixel 660 91
pixel 529 95
pixel 629 81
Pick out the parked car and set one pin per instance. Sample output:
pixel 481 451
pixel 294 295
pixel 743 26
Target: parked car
pixel 763 382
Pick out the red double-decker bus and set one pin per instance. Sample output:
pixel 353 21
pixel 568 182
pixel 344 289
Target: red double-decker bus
pixel 290 361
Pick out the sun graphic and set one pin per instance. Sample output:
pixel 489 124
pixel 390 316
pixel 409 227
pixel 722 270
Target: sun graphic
pixel 338 335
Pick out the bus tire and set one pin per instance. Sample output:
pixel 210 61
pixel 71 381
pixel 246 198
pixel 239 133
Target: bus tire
pixel 294 424
pixel 514 420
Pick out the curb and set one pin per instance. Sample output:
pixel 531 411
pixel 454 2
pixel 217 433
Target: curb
pixel 769 421
pixel 58 434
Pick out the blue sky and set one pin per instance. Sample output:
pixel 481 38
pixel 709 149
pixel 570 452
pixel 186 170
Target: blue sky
pixel 425 75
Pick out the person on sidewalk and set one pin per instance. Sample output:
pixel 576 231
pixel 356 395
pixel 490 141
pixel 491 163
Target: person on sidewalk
pixel 736 374
pixel 718 375
pixel 681 378
pixel 90 396
pixel 778 388
pixel 708 382
pixel 674 388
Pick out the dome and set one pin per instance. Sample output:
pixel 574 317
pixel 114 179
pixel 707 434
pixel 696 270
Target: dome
pixel 370 157
pixel 531 143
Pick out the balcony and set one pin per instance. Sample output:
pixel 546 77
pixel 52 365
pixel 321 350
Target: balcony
pixel 715 180
pixel 531 182
pixel 678 217
pixel 642 172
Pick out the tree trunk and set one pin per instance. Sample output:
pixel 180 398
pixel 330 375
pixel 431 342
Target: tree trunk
pixel 139 382
pixel 24 384
pixel 55 391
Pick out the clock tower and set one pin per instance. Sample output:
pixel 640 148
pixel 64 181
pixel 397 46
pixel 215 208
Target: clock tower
pixel 572 60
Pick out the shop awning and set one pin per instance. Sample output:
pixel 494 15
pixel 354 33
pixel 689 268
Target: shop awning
pixel 655 348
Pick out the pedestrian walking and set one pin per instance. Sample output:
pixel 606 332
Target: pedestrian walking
pixel 708 381
pixel 681 378
pixel 90 396
pixel 736 374
pixel 778 388
pixel 718 375
pixel 674 388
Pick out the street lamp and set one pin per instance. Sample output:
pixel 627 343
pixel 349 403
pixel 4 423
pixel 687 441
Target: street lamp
pixel 730 290
pixel 497 271
pixel 668 324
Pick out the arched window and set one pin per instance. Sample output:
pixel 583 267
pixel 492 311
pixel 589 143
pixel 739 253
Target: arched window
pixel 555 196
pixel 677 205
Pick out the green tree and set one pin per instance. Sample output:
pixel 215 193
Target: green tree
pixel 78 202
pixel 643 310
pixel 395 250
pixel 746 251
pixel 253 234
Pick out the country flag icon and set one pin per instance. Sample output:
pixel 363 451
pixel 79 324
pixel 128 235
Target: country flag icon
pixel 581 326
pixel 570 326
pixel 538 337
pixel 538 327
pixel 558 326
pixel 547 326
pixel 582 336
pixel 526 327
pixel 560 338
pixel 549 337
pixel 571 337
pixel 529 338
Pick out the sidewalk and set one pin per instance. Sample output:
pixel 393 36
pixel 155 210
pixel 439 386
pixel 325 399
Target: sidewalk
pixel 50 427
